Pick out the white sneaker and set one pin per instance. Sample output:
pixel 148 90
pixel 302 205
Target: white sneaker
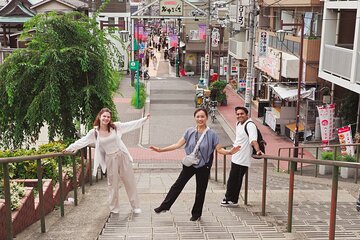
pixel 137 210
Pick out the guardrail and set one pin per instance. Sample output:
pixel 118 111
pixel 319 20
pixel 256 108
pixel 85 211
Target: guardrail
pixel 334 148
pixel 292 166
pixel 38 158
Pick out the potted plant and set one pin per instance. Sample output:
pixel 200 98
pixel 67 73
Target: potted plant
pixel 218 93
pixel 188 70
pixel 346 172
pixel 325 169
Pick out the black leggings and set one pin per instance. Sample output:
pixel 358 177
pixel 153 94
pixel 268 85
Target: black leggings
pixel 202 178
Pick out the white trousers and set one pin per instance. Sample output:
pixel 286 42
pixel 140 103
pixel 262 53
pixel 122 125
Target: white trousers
pixel 120 167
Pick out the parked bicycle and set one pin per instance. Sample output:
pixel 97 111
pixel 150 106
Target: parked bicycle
pixel 205 104
pixel 213 109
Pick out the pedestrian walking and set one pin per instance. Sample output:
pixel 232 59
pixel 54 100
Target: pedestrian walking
pixel 112 155
pixel 154 59
pixel 193 139
pixel 240 161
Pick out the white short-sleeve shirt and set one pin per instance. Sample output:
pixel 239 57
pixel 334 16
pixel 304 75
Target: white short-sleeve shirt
pixel 243 156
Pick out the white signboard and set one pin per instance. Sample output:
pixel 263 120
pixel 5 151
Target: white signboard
pixel 240 18
pixel 215 37
pixel 207 62
pixel 171 7
pixel 263 38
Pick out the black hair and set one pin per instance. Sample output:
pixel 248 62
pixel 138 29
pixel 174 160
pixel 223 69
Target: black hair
pixel 242 108
pixel 201 109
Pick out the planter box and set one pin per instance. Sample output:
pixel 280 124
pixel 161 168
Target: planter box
pixel 347 172
pixel 22 217
pixel 325 169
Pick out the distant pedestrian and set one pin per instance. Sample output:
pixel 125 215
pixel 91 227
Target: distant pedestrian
pixel 240 161
pixel 154 59
pixel 112 155
pixel 205 152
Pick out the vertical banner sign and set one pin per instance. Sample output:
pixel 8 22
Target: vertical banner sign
pixel 207 62
pixel 240 18
pixel 345 137
pixel 262 43
pixel 171 7
pixel 215 37
pixel 326 117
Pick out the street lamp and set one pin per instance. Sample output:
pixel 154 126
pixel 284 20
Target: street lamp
pixel 124 36
pixel 281 36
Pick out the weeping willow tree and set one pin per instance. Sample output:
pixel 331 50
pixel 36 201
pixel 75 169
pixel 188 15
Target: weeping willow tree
pixel 63 75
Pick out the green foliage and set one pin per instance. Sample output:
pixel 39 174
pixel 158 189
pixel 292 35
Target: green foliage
pixel 347 158
pixel 217 91
pixel 65 74
pixel 17 192
pixel 329 156
pixel 142 96
pixel 348 108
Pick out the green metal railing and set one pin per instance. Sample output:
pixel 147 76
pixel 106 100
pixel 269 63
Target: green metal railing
pixel 38 158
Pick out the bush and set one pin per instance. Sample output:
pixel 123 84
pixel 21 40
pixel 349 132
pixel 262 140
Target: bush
pixel 142 97
pixel 329 156
pixel 347 158
pixel 17 192
pixel 217 91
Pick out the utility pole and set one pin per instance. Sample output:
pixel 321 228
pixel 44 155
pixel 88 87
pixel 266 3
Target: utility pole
pixel 250 62
pixel 207 47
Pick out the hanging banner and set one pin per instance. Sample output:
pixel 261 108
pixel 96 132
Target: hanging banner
pixel 215 37
pixel 326 117
pixel 345 137
pixel 202 31
pixel 263 39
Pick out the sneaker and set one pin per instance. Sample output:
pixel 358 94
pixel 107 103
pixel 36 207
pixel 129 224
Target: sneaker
pixel 137 210
pixel 159 210
pixel 227 203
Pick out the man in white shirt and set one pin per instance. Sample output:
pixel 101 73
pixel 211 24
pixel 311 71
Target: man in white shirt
pixel 240 161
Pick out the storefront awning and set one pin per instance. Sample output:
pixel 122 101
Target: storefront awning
pixel 290 93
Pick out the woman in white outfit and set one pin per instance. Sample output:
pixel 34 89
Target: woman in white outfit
pixel 112 154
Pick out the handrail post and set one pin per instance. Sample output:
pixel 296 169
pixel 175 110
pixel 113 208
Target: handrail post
pixel 263 201
pixel 75 186
pixel 246 187
pixel 316 165
pixel 216 165
pixel 278 161
pixel 82 172
pixel 61 186
pixel 8 222
pixel 224 171
pixel 301 164
pixel 90 166
pixel 334 189
pixel 291 194
pixel 289 162
pixel 357 160
pixel 41 195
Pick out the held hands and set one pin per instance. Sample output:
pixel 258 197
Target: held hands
pixel 148 116
pixel 259 153
pixel 66 151
pixel 234 150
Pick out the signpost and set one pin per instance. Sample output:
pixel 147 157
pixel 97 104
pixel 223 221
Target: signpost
pixel 171 8
pixel 134 66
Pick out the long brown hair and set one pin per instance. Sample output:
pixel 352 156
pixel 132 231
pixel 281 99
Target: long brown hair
pixel 97 119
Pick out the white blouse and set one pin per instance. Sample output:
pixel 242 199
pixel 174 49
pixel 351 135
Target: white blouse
pixel 109 143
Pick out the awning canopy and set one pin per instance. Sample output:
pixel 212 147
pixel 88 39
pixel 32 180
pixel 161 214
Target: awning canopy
pixel 290 93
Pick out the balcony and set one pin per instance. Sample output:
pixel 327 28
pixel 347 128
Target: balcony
pixel 237 49
pixel 293 3
pixel 331 63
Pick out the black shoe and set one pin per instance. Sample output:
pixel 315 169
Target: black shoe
pixel 195 218
pixel 160 210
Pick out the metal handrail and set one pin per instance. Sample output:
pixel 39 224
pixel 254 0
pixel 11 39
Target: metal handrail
pixel 293 161
pixel 5 162
pixel 335 146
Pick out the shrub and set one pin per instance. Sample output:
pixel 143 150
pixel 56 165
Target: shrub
pixel 347 158
pixel 329 156
pixel 17 191
pixel 217 91
pixel 142 96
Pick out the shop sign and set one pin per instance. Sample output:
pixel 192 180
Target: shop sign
pixel 171 7
pixel 326 117
pixel 240 18
pixel 263 43
pixel 207 62
pixel 345 137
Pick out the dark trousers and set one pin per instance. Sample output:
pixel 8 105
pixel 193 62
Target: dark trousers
pixel 234 183
pixel 202 177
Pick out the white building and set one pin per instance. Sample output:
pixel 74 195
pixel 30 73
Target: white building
pixel 340 44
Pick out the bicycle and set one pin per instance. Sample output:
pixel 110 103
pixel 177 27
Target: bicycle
pixel 212 110
pixel 205 103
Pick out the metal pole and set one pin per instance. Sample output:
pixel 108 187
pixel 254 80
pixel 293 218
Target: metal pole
pixel 61 187
pixel 250 57
pixel 41 195
pixel 207 47
pixel 8 221
pixel 296 143
pixel 263 202
pixel 334 191
pixel 132 72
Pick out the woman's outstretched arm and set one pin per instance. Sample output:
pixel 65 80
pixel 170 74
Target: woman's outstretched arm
pixel 172 147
